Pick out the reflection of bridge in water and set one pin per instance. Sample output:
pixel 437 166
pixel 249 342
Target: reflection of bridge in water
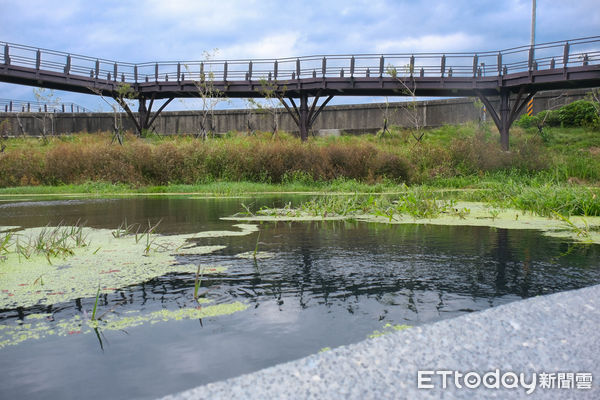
pixel 514 75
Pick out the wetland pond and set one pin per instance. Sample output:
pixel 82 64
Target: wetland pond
pixel 118 319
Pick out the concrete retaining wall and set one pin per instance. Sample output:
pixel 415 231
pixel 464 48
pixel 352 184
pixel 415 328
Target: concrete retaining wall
pixel 346 118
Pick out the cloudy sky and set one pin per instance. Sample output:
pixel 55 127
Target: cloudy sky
pixel 162 30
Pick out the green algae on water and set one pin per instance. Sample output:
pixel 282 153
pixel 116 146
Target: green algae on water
pixel 113 263
pixel 258 255
pixel 578 228
pixel 387 329
pixel 41 326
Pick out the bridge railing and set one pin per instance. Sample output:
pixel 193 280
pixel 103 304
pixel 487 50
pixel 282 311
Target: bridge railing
pixel 562 54
pixel 9 105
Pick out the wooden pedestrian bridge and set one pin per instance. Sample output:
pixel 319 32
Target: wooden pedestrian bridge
pixel 514 75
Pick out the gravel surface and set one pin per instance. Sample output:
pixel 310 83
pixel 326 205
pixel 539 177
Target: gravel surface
pixel 558 333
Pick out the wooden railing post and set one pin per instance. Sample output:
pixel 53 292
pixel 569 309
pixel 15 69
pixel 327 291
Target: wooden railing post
pixel 68 65
pixel 324 67
pixel 499 63
pixel 475 65
pixel 38 59
pixel 6 55
pixel 443 66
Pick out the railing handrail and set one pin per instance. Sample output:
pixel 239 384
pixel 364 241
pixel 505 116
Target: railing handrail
pixel 316 57
pixel 18 105
pixel 561 54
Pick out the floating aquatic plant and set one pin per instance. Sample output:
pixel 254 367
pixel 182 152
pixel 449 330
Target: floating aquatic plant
pixel 112 262
pixel 37 326
pixel 435 212
pixel 388 328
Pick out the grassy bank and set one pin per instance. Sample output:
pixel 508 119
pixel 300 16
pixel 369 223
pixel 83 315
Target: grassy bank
pixel 451 155
pixel 557 171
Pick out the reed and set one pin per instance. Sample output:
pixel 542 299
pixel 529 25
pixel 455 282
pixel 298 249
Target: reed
pixel 256 247
pixel 198 281
pixel 96 304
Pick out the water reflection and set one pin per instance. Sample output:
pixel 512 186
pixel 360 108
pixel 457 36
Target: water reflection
pixel 330 283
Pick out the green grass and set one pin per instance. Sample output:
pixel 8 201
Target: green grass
pixel 223 188
pixel 50 242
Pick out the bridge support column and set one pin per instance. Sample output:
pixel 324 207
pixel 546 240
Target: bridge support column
pixel 145 118
pixel 303 124
pixel 303 116
pixel 505 116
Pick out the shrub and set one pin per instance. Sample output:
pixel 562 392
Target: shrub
pixel 548 117
pixel 579 113
pixel 526 121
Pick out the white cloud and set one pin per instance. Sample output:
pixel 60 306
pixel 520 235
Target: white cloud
pixel 272 46
pixel 201 16
pixel 432 43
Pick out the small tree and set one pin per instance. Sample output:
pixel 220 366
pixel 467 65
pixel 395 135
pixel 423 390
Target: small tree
pixel 209 95
pixel 269 105
pixel 4 130
pixel 387 115
pixel 47 101
pixel 124 95
pixel 410 108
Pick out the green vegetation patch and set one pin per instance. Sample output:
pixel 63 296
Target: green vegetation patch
pixel 95 258
pixel 258 255
pixel 387 329
pixel 38 326
pixel 425 209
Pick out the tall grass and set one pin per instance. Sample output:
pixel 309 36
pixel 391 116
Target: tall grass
pixel 457 154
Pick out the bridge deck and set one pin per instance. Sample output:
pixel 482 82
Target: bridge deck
pixel 556 65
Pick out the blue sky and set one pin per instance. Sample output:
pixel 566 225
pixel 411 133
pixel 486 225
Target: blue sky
pixel 161 30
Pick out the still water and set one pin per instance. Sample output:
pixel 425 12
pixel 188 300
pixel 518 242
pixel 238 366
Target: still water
pixel 329 284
